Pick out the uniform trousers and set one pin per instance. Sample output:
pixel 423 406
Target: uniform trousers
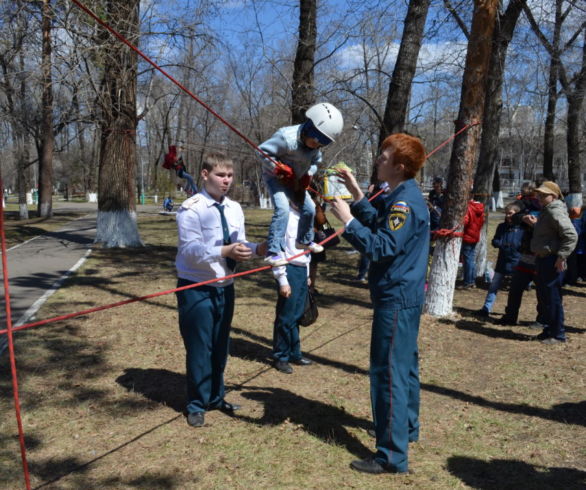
pixel 286 343
pixel 205 316
pixel 394 383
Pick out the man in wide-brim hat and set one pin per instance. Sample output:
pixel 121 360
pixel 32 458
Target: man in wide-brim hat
pixel 554 239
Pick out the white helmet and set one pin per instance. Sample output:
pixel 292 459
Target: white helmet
pixel 326 119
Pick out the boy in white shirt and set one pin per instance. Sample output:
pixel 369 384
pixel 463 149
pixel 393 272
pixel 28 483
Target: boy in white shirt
pixel 211 241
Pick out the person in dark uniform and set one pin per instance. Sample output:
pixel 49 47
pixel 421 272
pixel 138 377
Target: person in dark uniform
pixel 395 238
pixel 211 241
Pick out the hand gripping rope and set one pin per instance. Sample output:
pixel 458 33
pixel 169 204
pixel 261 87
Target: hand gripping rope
pixel 9 329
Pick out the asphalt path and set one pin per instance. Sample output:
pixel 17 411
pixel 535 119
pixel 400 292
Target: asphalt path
pixel 38 267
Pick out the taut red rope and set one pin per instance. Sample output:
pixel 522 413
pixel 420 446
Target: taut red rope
pixel 8 333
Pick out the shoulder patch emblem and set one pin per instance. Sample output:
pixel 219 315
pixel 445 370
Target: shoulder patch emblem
pixel 398 215
pixel 192 201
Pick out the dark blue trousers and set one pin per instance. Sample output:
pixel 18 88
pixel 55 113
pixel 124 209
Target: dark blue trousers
pixel 394 383
pixel 520 280
pixel 205 316
pixel 549 294
pixel 286 343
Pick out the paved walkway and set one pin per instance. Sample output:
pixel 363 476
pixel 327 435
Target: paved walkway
pixel 38 267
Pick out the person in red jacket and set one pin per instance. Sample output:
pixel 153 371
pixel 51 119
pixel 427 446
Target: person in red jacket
pixel 473 222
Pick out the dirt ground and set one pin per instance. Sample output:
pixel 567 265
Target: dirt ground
pixel 102 395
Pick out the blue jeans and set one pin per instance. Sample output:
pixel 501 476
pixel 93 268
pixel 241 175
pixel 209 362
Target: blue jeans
pixel 495 284
pixel 469 262
pixel 281 195
pixel 190 187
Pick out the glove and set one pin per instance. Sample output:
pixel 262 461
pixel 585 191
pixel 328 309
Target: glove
pixel 284 173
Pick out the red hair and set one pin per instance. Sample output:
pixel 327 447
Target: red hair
pixel 408 150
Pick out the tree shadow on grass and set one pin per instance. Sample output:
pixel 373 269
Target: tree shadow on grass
pixel 157 385
pixel 324 421
pixel 566 413
pixel 476 326
pixel 572 292
pixel 504 474
pixel 53 470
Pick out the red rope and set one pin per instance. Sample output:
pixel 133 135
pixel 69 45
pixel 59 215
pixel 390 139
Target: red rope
pixel 8 331
pixel 457 133
pixel 445 233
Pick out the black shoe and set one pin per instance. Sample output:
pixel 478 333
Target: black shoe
pixel 506 320
pixel 229 408
pixel 303 361
pixel 483 312
pixel 542 336
pixel 370 465
pixel 283 366
pixel 196 419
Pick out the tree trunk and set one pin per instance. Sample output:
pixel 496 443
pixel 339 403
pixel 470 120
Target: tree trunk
pixel 489 145
pixel 575 105
pixel 302 90
pixel 116 223
pixel 21 157
pixel 464 154
pixel 404 71
pixel 552 96
pixel 45 204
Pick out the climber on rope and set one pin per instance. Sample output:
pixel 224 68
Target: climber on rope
pixel 295 154
pixel 174 162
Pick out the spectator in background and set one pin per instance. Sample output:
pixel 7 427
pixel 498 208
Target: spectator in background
pixel 473 222
pixel 523 275
pixel 507 239
pixel 554 239
pixel 577 259
pixel 435 203
pixel 527 199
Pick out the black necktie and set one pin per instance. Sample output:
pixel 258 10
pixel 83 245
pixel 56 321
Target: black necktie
pixel 231 263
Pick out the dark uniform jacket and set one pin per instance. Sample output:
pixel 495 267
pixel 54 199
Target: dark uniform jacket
pixel 396 240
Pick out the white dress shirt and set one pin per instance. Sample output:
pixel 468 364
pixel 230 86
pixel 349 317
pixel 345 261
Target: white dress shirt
pixel 199 249
pixel 280 273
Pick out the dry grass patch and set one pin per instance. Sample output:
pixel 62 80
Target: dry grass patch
pixel 103 395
